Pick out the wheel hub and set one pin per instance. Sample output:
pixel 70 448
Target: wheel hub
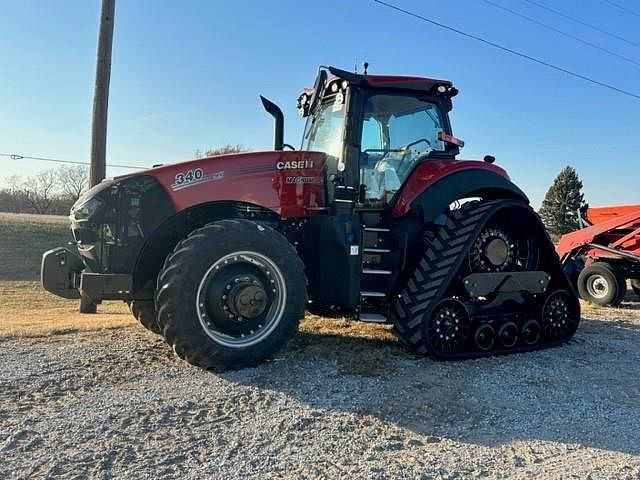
pixel 597 286
pixel 497 251
pixel 247 300
pixel 493 251
pixel 241 298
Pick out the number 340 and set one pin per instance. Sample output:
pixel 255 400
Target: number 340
pixel 188 176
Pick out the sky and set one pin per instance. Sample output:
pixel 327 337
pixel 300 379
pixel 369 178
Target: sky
pixel 186 75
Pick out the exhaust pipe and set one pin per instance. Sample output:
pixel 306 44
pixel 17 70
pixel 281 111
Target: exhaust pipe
pixel 278 122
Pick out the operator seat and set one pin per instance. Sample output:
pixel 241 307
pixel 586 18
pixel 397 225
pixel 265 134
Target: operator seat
pixel 380 179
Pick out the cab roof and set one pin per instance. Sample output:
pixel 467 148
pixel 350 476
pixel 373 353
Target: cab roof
pixel 424 84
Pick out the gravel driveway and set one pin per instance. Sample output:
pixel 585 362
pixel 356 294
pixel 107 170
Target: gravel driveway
pixel 119 404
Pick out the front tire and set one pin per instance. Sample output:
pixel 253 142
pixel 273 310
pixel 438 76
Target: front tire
pixel 145 312
pixel 602 284
pixel 230 294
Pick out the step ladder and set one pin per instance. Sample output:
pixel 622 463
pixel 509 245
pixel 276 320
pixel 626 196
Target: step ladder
pixel 377 274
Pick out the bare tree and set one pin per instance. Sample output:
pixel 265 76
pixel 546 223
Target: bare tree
pixel 14 196
pixel 40 191
pixel 72 181
pixel 210 152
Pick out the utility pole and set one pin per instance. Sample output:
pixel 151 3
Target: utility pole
pixel 101 94
pixel 98 168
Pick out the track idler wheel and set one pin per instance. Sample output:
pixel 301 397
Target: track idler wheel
pixel 485 337
pixel 530 332
pixel 508 334
pixel 449 325
pixel 559 315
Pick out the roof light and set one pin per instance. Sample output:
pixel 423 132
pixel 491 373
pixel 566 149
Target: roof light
pixel 334 87
pixel 441 89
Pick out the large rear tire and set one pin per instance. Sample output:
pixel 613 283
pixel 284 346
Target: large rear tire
pixel 602 284
pixel 145 312
pixel 230 294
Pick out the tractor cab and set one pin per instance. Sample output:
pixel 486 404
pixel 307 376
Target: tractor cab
pixel 376 129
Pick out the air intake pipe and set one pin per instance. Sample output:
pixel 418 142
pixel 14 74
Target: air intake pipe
pixel 278 122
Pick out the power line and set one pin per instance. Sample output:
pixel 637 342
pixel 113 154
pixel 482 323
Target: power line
pixel 554 29
pixel 623 8
pixel 14 156
pixel 509 50
pixel 577 20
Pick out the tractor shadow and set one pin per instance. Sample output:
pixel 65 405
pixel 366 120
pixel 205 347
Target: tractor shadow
pixel 584 393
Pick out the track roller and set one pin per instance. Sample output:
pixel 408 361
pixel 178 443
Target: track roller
pixel 508 334
pixel 560 315
pixel 485 337
pixel 448 328
pixel 530 332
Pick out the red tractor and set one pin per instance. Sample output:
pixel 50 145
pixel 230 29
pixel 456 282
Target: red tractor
pixel 374 217
pixel 604 254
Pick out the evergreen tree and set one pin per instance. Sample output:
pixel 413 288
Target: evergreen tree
pixel 562 202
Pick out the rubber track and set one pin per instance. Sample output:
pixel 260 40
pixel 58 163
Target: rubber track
pixel 433 275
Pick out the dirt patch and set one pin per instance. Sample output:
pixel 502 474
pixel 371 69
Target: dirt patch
pixel 343 400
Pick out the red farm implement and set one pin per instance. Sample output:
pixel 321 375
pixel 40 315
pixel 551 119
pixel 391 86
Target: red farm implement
pixel 604 254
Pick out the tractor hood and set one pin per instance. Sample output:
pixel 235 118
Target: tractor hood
pixel 288 182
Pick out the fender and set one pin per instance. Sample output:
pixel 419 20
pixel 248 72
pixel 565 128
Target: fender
pixel 435 184
pixel 160 241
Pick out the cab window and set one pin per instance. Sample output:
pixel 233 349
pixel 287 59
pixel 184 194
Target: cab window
pixel 397 132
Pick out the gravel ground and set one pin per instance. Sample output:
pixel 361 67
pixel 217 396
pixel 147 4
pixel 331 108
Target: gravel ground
pixel 121 405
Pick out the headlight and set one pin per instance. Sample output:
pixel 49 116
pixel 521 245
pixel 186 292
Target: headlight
pixel 84 211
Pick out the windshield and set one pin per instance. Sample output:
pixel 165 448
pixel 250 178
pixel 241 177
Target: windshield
pixel 323 132
pixel 397 131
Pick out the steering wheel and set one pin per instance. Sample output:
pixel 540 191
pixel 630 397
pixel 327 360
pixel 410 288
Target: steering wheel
pixel 407 151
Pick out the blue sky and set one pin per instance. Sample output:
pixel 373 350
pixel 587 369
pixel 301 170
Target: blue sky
pixel 187 75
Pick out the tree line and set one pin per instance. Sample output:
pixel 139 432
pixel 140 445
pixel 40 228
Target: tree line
pixel 50 192
pixel 54 191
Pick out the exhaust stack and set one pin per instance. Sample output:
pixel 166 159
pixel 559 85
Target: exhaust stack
pixel 278 122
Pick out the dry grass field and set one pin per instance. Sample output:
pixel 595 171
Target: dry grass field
pixel 25 308
pixel 97 396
